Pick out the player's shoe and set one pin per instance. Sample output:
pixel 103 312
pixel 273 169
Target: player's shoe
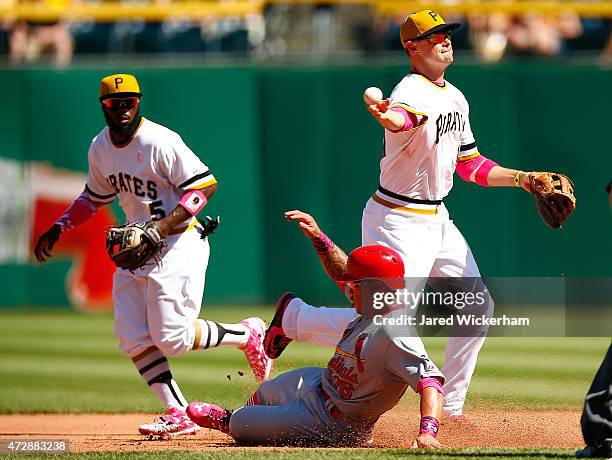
pixel 275 340
pixel 254 350
pixel 591 451
pixel 209 416
pixel 173 422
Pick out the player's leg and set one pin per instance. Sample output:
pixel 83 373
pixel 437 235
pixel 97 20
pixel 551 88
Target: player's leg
pixel 290 411
pixel 279 391
pixel 455 260
pixel 286 387
pixel 596 420
pixel 173 319
pixel 295 319
pixel 132 329
pixel 292 423
pixel 318 325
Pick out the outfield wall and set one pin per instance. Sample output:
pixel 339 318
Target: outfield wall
pixel 279 138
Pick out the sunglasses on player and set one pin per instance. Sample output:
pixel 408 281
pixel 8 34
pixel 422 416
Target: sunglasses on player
pixel 117 103
pixel 436 39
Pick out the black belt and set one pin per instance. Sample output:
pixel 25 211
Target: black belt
pixel 333 410
pixel 407 199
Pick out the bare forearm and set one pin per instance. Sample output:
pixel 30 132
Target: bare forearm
pixel 334 263
pixel 431 403
pixel 177 216
pixel 505 177
pixel 333 258
pixel 501 177
pixel 392 120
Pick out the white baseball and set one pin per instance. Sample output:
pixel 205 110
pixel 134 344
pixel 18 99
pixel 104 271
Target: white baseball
pixel 372 95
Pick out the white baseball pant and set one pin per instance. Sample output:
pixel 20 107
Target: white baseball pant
pixel 156 306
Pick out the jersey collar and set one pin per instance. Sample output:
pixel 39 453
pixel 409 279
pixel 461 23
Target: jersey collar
pixel 437 85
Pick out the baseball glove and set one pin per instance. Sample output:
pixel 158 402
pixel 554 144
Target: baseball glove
pixel 554 195
pixel 131 246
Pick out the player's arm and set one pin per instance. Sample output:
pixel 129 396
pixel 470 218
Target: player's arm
pixel 189 174
pixel 388 119
pixel 505 177
pixel 333 258
pixel 432 401
pixel 79 212
pixel 396 117
pixel 475 167
pixel 427 382
pixel 190 204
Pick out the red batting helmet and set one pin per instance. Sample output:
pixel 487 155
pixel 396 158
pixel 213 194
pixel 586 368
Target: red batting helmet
pixel 375 262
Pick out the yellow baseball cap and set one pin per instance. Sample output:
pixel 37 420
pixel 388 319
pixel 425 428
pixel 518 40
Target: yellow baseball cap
pixel 423 24
pixel 119 83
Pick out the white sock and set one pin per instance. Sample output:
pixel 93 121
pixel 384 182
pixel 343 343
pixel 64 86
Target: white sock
pixel 153 366
pixel 209 334
pixel 170 394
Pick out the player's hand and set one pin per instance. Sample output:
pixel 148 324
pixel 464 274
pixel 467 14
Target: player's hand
pixel 525 182
pixel 45 243
pixel 388 119
pixel 379 109
pixel 305 221
pixel 426 441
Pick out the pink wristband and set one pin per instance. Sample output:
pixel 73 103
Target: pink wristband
pixel 429 425
pixel 193 201
pixel 322 244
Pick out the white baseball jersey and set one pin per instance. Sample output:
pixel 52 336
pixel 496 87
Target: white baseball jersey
pixel 419 163
pixel 149 174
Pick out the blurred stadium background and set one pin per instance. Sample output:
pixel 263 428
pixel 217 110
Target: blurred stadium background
pixel 537 75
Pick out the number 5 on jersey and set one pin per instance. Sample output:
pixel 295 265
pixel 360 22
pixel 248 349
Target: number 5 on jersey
pixel 156 210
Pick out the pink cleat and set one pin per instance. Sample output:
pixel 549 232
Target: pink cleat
pixel 173 422
pixel 254 351
pixel 275 340
pixel 209 416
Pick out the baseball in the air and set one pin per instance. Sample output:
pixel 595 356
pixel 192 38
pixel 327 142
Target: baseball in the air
pixel 372 95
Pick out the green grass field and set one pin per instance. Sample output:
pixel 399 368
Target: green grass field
pixel 64 361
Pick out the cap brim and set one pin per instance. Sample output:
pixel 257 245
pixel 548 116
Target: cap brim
pixel 434 30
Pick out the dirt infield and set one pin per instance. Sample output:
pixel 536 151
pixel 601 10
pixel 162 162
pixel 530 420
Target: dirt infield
pixel 486 428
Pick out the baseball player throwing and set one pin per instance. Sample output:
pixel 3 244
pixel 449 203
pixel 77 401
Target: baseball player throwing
pixel 157 178
pixel 427 138
pixel 372 367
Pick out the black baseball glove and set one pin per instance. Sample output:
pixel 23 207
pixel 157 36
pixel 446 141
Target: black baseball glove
pixel 133 245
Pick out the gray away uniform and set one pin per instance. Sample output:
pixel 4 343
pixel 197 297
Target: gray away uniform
pixel 370 371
